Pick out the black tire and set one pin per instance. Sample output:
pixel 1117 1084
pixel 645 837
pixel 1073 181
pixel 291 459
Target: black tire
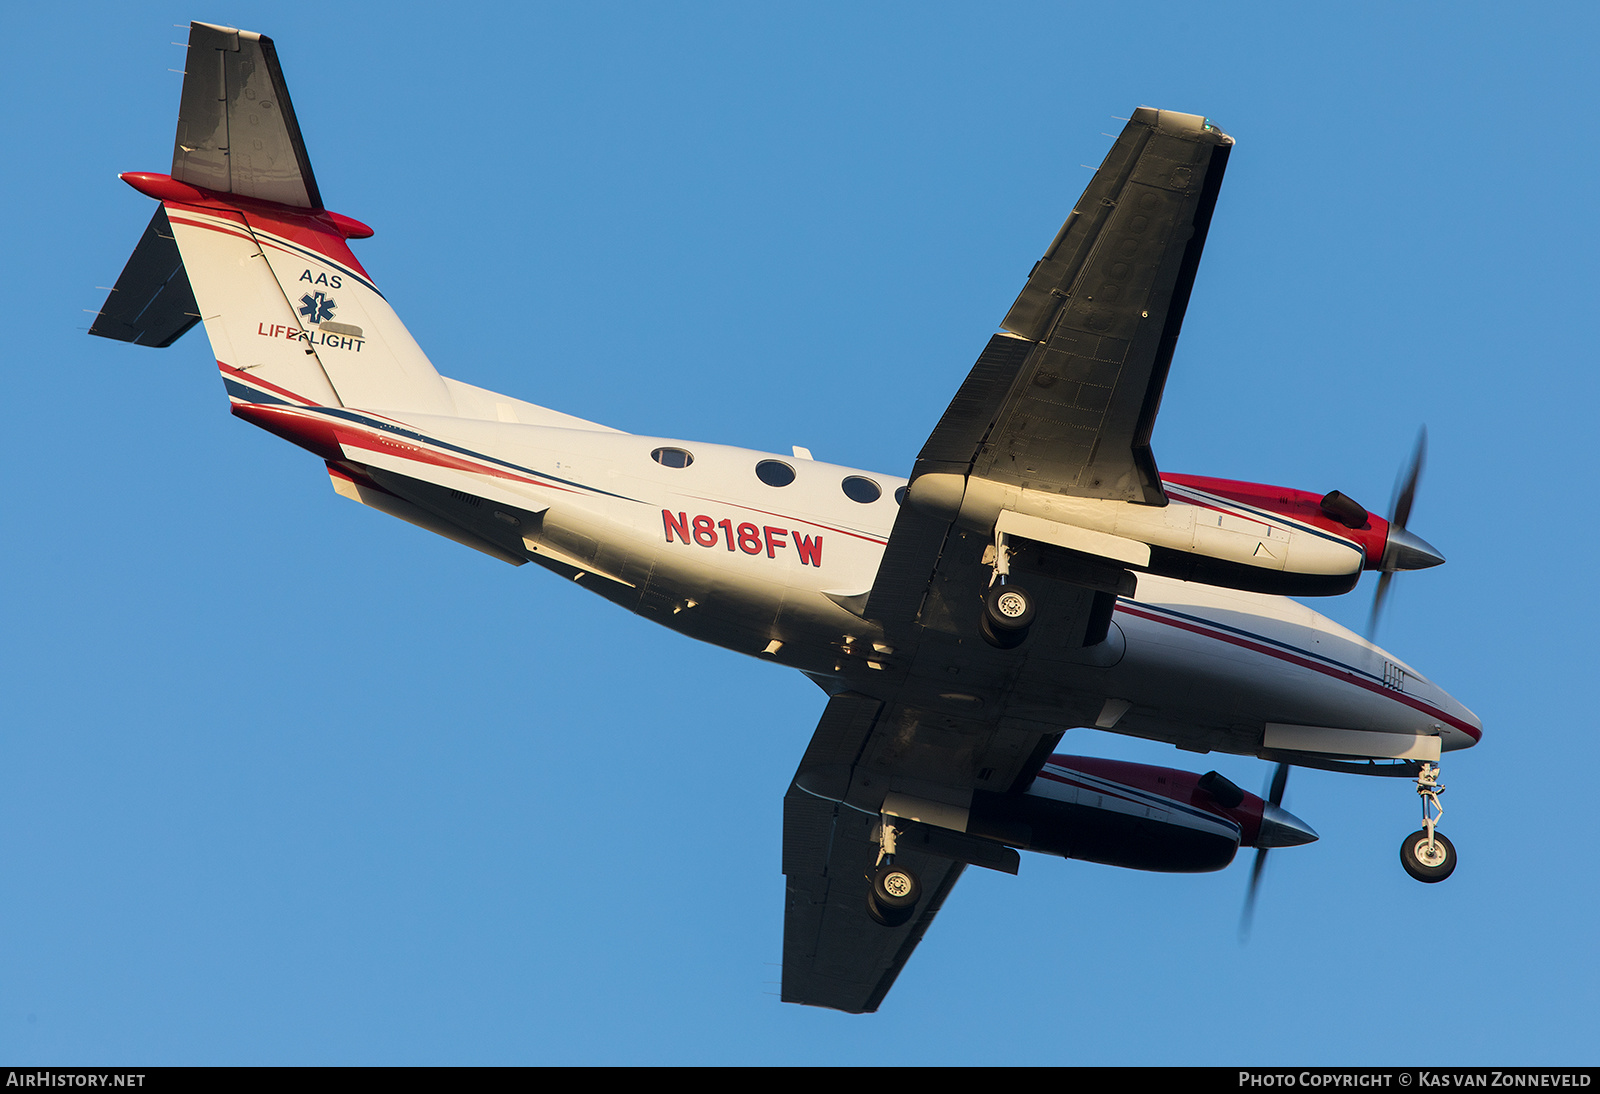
pixel 895 887
pixel 1003 640
pixel 1424 863
pixel 888 917
pixel 1008 608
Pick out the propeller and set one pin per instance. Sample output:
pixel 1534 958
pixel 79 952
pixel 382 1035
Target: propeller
pixel 1280 779
pixel 1404 551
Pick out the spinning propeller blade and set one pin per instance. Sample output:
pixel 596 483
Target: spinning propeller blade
pixel 1406 489
pixel 1280 779
pixel 1404 550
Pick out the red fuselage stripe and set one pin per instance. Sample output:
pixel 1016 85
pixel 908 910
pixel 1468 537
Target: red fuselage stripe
pixel 406 450
pixel 211 227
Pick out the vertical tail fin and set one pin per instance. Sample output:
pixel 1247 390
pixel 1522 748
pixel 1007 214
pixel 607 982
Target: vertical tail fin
pixel 237 132
pixel 291 314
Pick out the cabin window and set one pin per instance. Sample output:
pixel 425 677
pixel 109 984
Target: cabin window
pixel 863 490
pixel 672 457
pixel 900 495
pixel 774 472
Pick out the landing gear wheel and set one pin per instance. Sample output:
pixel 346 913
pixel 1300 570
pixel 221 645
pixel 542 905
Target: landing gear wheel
pixel 1000 640
pixel 1008 607
pixel 1007 614
pixel 892 900
pixel 888 917
pixel 1427 862
pixel 895 886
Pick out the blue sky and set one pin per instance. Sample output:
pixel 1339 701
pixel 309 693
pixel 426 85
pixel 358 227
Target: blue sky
pixel 285 781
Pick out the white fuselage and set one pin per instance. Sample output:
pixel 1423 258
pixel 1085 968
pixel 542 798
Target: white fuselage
pixel 711 550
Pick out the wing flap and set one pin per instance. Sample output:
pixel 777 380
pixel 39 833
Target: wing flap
pixel 966 422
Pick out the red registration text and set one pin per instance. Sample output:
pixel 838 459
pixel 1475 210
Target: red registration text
pixel 702 531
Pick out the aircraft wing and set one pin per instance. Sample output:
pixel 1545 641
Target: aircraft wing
pixel 1063 401
pixel 920 738
pixel 1066 401
pixel 834 954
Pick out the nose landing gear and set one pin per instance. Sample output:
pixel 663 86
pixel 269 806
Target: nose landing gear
pixel 1428 859
pixel 1427 855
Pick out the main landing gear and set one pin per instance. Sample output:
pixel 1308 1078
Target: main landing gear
pixel 892 899
pixel 1427 855
pixel 1007 614
pixel 1008 610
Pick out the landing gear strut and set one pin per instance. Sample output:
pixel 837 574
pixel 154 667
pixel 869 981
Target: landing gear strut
pixel 1008 610
pixel 892 899
pixel 1427 855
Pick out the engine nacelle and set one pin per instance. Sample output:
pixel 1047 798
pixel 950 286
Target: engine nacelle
pixel 1135 816
pixel 1236 535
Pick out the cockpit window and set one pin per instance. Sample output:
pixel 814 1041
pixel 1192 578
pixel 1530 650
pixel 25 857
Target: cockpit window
pixel 672 457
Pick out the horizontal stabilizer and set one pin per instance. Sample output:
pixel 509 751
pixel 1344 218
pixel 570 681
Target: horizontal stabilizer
pixel 237 132
pixel 152 303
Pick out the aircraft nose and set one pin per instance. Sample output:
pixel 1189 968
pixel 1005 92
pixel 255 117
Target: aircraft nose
pixel 1467 727
pixel 1406 551
pixel 1281 828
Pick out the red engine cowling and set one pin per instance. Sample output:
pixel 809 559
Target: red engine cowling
pixel 1332 512
pixel 1135 816
pixel 1334 516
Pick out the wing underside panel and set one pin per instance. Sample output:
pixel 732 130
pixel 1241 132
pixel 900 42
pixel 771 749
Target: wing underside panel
pixel 1100 313
pixel 834 954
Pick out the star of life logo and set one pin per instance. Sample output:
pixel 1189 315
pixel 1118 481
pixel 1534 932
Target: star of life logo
pixel 317 307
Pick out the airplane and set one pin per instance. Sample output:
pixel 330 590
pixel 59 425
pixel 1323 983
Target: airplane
pixel 1033 571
